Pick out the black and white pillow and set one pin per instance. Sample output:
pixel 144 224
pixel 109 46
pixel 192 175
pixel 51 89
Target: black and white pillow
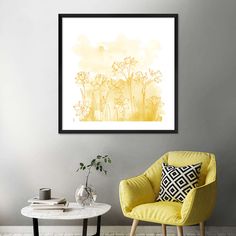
pixel 176 182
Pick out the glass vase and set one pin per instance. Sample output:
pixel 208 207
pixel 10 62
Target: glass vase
pixel 85 196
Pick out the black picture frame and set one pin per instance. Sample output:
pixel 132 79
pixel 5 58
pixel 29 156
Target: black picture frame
pixel 63 130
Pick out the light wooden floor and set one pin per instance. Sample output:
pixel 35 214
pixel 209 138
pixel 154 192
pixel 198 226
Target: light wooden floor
pixel 113 231
pixel 120 234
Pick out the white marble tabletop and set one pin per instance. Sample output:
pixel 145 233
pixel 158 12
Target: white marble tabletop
pixel 73 212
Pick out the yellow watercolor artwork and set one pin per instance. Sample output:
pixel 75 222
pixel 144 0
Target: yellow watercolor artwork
pixel 118 73
pixel 117 81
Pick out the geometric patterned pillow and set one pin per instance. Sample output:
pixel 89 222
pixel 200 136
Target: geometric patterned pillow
pixel 176 182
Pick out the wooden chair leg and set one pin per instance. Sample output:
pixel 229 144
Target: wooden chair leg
pixel 163 230
pixel 180 231
pixel 133 228
pixel 202 229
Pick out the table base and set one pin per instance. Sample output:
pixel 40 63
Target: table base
pixel 85 226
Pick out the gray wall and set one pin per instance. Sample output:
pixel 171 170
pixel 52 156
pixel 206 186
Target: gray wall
pixel 33 154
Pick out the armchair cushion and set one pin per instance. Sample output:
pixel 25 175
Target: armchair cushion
pixel 158 212
pixel 176 182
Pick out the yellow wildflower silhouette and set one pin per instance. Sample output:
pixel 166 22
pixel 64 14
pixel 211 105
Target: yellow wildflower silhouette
pixel 126 95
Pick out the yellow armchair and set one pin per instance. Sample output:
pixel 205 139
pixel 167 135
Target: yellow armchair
pixel 138 194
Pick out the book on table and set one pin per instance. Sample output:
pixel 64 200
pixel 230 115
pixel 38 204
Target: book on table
pixel 51 204
pixel 39 206
pixel 51 201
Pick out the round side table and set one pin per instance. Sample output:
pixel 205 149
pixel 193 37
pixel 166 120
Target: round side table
pixel 73 212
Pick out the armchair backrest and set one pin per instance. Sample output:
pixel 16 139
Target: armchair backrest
pixel 183 158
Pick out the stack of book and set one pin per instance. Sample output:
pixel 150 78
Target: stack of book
pixel 54 204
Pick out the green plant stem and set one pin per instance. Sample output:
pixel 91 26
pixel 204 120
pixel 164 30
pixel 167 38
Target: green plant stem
pixel 86 184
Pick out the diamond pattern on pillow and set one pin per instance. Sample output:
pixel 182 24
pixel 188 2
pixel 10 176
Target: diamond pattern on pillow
pixel 176 182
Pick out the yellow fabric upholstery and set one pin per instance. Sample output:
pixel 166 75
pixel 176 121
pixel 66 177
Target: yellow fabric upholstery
pixel 138 195
pixel 163 211
pixel 138 186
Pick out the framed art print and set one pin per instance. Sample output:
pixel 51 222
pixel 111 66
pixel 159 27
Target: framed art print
pixel 118 73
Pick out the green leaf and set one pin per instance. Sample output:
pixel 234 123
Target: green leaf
pixel 98 163
pixel 99 156
pixel 109 160
pixel 105 160
pixel 93 161
pixel 81 164
pixel 100 168
pixel 97 168
pixel 88 165
pixel 84 168
pixel 106 156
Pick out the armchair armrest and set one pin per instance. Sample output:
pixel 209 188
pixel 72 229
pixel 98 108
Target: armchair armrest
pixel 135 191
pixel 199 204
